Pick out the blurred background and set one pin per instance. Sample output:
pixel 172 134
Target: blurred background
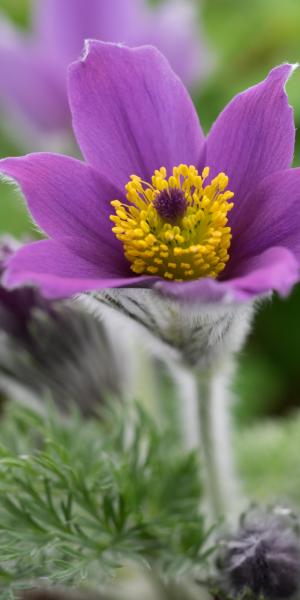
pixel 245 40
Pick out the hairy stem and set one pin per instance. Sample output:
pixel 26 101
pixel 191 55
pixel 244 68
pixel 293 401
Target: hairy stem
pixel 187 400
pixel 215 445
pixel 205 424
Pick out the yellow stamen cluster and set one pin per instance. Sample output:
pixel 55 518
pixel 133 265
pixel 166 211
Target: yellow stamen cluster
pixel 196 245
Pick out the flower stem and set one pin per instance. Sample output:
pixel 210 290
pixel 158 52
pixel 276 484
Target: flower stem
pixel 187 401
pixel 208 431
pixel 214 427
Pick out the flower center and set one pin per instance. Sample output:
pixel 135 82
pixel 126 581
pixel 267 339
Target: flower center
pixel 175 227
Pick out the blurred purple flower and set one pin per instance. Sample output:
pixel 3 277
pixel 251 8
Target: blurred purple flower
pixel 55 349
pixel 131 114
pixel 263 557
pixel 17 306
pixel 33 67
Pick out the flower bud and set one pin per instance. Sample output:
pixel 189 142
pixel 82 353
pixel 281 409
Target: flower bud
pixel 264 559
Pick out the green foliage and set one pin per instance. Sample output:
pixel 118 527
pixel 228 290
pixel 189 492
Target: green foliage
pixel 80 500
pixel 268 379
pixel 249 38
pixel 18 10
pixel 13 214
pixel 268 456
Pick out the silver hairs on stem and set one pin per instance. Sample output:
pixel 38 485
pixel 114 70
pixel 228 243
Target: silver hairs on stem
pixel 198 343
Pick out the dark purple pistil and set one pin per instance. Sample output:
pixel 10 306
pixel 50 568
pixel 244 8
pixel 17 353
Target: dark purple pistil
pixel 170 205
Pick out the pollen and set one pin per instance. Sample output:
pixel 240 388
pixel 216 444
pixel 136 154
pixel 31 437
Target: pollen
pixel 175 227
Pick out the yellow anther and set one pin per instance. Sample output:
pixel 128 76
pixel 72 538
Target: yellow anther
pixel 178 251
pixel 117 230
pixel 173 182
pixel 138 233
pixel 169 236
pixel 179 239
pixel 150 239
pixel 196 244
pixel 163 248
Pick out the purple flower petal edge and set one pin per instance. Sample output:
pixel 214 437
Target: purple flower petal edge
pixel 276 269
pixel 254 136
pixel 131 113
pixel 60 273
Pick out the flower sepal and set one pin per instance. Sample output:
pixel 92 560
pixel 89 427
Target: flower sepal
pixel 199 336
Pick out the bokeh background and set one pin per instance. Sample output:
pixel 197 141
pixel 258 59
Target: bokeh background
pixel 247 39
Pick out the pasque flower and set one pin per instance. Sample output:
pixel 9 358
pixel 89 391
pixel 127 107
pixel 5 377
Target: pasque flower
pixel 156 204
pixel 33 67
pixel 193 228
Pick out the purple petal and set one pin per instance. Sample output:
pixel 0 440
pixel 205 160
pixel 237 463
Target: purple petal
pixel 62 25
pixel 29 86
pixel 276 269
pixel 131 114
pixel 254 136
pixel 60 273
pixel 66 197
pixel 270 217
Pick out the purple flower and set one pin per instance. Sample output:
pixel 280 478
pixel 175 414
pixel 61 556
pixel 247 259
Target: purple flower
pixel 197 219
pixel 33 67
